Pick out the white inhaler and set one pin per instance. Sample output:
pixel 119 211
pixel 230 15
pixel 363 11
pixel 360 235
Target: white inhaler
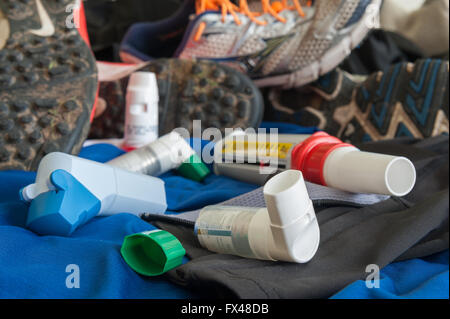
pixel 70 190
pixel 142 111
pixel 323 160
pixel 168 152
pixel 287 230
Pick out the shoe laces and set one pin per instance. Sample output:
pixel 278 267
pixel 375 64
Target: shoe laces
pixel 227 7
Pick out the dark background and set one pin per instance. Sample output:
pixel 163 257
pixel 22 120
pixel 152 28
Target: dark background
pixel 108 20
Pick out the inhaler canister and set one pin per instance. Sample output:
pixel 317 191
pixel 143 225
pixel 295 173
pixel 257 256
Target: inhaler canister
pixel 142 111
pixel 170 151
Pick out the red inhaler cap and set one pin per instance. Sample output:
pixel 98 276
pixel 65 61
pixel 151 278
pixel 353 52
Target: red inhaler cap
pixel 309 157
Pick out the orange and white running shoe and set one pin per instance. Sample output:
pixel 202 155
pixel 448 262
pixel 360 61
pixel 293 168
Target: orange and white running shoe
pixel 287 43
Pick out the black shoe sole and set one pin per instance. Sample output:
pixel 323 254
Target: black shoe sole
pixel 48 86
pixel 408 100
pixel 189 90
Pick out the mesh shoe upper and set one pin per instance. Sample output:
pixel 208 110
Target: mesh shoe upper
pixel 277 47
pixel 255 49
pixel 331 23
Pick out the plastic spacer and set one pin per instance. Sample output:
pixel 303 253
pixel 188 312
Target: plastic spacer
pixel 309 157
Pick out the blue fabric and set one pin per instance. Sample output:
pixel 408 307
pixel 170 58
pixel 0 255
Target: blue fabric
pixel 425 278
pixel 35 267
pixel 32 266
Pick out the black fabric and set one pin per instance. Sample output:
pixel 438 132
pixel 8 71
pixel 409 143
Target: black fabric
pixel 379 51
pixel 351 238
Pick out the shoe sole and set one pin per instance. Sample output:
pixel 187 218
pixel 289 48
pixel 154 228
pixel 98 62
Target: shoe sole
pixel 48 85
pixel 408 100
pixel 329 61
pixel 189 90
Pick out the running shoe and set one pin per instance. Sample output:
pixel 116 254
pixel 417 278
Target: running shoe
pixel 407 100
pixel 286 43
pixel 48 81
pixel 218 96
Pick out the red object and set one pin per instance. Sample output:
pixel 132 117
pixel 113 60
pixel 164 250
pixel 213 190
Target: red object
pixel 80 18
pixel 309 157
pixel 128 148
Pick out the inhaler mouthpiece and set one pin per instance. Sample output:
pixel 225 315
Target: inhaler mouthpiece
pixel 287 230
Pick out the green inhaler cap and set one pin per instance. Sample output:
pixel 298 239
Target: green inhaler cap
pixel 193 168
pixel 152 253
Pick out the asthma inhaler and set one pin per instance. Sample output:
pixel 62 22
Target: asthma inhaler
pixel 69 191
pixel 323 160
pixel 287 230
pixel 141 119
pixel 170 151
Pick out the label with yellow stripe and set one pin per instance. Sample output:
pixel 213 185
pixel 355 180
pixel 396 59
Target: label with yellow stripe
pixel 261 149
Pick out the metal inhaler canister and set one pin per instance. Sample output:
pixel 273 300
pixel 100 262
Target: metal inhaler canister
pixel 225 229
pixel 169 152
pixel 142 111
